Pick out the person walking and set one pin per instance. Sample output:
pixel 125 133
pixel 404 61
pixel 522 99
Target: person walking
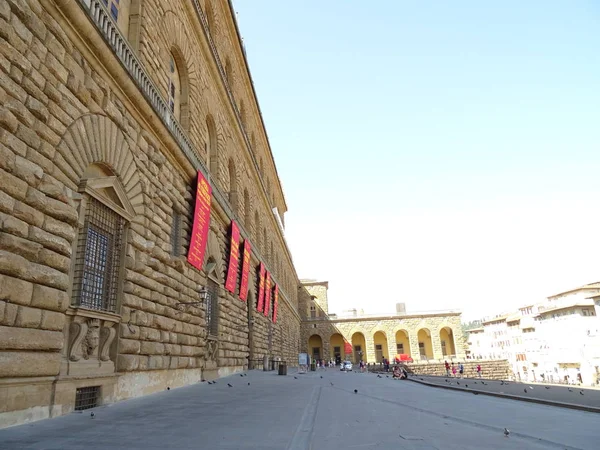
pixel 447 368
pixel 479 370
pixel 453 370
pixel 461 369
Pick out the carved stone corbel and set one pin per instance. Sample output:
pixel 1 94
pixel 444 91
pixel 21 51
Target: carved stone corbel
pixel 107 335
pixel 78 331
pixel 92 338
pixel 211 350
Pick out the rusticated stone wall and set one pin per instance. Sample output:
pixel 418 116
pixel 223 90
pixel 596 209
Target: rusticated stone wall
pixel 70 114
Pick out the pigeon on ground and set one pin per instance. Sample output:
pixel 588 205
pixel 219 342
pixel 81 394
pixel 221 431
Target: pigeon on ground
pixel 387 376
pixel 421 379
pixel 321 376
pixel 446 381
pixel 525 390
pixel 457 382
pixel 475 382
pixel 241 374
pixel 378 376
pixel 502 383
pixel 530 387
pixel 229 385
pixel 356 391
pixel 570 390
pixel 92 415
pixel 295 378
pixel 476 393
pixel 331 383
pixel 581 392
pixel 466 385
pixel 248 384
pixel 506 432
pixel 168 388
pixel 215 382
pixel 547 387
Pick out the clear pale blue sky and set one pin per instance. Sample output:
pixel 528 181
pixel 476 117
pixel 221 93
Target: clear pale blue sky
pixel 444 154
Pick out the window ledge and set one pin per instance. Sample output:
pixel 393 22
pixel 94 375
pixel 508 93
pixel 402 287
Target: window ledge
pixel 82 311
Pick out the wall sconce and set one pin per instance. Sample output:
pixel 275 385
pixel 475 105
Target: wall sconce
pixel 203 295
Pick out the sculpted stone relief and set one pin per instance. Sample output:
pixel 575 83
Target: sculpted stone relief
pixel 90 338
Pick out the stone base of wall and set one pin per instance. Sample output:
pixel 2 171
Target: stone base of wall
pixel 493 370
pixel 24 400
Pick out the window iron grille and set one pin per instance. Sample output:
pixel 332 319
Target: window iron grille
pixel 212 308
pixel 97 262
pixel 86 397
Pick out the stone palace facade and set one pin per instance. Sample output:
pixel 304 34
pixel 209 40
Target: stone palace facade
pixel 423 337
pixel 109 109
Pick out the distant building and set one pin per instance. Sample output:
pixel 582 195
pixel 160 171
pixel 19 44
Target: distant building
pixel 354 335
pixel 557 340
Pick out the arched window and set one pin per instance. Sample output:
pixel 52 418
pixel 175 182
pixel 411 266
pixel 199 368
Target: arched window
pixel 105 213
pixel 233 195
pixel 212 147
pixel 256 230
pixel 174 87
pixel 247 209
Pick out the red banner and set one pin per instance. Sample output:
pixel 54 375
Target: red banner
pixel 347 348
pixel 261 287
pixel 245 270
pixel 267 295
pixel 275 303
pixel 234 258
pixel 201 223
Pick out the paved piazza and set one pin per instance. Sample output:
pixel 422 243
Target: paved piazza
pixel 309 412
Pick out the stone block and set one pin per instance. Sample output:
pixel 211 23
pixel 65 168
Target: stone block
pixel 47 276
pixel 10 86
pixel 14 290
pixel 10 313
pixel 20 111
pixel 156 362
pixel 7 158
pixel 13 225
pixel 128 363
pixel 8 120
pixel 55 260
pixel 28 136
pixel 53 320
pixel 50 241
pixel 29 364
pixel 152 348
pixel 19 246
pixel 28 317
pixel 12 142
pixel 48 298
pixel 61 211
pixel 28 171
pixel 12 264
pixel 28 214
pixel 129 331
pixel 12 185
pixel 37 108
pixel 13 338
pixel 7 203
pixel 56 68
pixel 129 346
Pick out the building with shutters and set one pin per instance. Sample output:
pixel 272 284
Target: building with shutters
pixel 110 111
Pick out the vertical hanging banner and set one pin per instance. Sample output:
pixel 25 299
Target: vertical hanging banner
pixel 275 302
pixel 261 287
pixel 245 270
pixel 201 223
pixel 267 295
pixel 234 258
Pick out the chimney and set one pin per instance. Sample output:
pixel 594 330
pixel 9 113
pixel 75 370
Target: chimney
pixel 400 308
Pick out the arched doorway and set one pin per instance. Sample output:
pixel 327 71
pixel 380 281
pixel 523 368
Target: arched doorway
pixel 359 347
pixel 315 347
pixel 425 346
pixel 402 343
pixel 381 346
pixel 336 347
pixel 447 341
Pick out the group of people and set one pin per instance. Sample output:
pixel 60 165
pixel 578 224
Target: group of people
pixel 400 373
pixel 451 370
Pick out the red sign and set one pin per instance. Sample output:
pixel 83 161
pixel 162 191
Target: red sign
pixel 245 270
pixel 275 303
pixel 201 222
pixel 261 287
pixel 234 258
pixel 267 295
pixel 347 348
